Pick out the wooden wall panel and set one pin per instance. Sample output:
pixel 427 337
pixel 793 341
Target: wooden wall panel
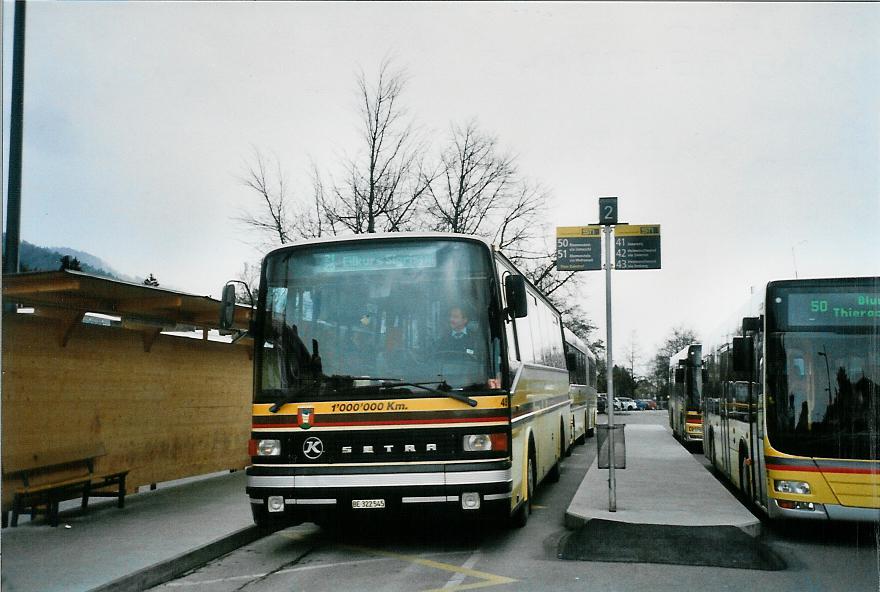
pixel 182 409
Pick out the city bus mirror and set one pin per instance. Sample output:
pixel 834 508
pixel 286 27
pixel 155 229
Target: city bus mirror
pixel 679 376
pixel 227 307
pixel 570 361
pixel 751 325
pixel 705 375
pixel 515 290
pixel 742 355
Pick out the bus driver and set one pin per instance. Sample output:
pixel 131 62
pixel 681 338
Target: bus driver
pixel 458 337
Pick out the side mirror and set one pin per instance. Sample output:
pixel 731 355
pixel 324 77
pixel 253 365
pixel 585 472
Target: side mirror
pixel 679 376
pixel 515 291
pixel 705 375
pixel 743 350
pixel 227 307
pixel 751 325
pixel 570 361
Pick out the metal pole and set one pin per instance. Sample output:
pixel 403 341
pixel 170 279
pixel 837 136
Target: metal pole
pixel 13 191
pixel 609 373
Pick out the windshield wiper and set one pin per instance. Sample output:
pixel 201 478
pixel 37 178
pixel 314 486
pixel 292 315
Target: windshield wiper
pixel 336 382
pixel 293 394
pixel 442 389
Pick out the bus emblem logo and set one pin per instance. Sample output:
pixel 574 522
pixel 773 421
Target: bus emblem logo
pixel 313 448
pixel 305 417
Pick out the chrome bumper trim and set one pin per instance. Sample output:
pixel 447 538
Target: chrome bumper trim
pixel 380 479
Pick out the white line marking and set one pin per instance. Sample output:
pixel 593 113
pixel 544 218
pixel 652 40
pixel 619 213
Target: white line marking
pixel 458 578
pixel 183 584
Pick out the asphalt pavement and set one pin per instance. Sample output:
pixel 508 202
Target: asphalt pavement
pixel 157 536
pixel 161 535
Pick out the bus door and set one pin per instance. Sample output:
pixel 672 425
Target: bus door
pixel 756 413
pixel 724 413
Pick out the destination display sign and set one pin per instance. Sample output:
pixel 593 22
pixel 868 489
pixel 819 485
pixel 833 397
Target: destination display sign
pixel 847 309
pixel 376 259
pixel 578 248
pixel 637 246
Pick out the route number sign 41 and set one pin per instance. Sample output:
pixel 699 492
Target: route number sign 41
pixel 637 246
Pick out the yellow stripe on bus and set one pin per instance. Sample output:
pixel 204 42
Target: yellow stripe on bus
pixel 369 405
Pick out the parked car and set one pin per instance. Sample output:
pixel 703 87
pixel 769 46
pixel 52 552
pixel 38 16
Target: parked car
pixel 626 404
pixel 601 403
pixel 652 404
pixel 642 404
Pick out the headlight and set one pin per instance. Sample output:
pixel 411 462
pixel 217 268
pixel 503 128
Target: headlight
pixel 477 442
pixel 269 448
pixel 800 487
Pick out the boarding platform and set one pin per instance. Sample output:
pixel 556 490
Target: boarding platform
pixel 663 484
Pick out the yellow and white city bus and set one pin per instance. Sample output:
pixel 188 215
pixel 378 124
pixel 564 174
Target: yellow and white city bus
pixel 582 386
pixel 402 372
pixel 685 394
pixel 793 399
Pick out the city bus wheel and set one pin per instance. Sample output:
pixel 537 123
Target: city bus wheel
pixel 554 472
pixel 711 449
pixel 582 439
pixel 745 481
pixel 521 517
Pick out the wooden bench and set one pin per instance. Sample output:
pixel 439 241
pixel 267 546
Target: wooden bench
pixel 54 476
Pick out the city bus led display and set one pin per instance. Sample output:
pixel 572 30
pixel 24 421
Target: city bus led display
pixel 833 308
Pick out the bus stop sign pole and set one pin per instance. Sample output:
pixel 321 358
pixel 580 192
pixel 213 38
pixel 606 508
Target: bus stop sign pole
pixel 608 218
pixel 609 373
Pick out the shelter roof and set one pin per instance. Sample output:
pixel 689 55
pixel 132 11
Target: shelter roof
pixel 54 291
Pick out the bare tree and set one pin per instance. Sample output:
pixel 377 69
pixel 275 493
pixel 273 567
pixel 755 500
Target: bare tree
pixel 473 185
pixel 633 353
pixel 478 190
pixel 382 187
pixel 281 217
pixel 250 276
pixel 266 178
pixel 311 220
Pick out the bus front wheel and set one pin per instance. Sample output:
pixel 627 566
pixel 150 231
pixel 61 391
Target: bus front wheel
pixel 521 517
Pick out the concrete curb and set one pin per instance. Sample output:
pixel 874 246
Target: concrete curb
pixel 574 521
pixel 167 570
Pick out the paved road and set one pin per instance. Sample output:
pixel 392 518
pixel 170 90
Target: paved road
pixel 434 555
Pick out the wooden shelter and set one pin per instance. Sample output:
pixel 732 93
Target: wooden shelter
pixel 89 361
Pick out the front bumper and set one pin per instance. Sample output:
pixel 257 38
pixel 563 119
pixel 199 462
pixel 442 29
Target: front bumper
pixel 825 512
pixel 692 435
pixel 313 491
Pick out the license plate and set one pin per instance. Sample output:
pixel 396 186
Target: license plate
pixel 370 503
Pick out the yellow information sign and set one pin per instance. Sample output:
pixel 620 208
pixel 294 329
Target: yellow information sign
pixel 637 230
pixel 574 231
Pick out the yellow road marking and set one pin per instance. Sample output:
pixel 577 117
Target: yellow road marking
pixel 537 507
pixel 487 578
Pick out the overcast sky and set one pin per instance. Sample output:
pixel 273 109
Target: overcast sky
pixel 749 132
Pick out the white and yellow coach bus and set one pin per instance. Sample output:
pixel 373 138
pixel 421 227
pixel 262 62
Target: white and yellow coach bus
pixel 582 379
pixel 402 372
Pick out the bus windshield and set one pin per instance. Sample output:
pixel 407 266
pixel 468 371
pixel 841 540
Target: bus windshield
pixel 823 398
pixel 342 318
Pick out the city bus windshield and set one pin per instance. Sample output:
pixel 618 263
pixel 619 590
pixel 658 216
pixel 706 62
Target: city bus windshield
pixel 363 317
pixel 823 398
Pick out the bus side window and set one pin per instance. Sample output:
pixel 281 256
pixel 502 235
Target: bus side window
pixel 525 334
